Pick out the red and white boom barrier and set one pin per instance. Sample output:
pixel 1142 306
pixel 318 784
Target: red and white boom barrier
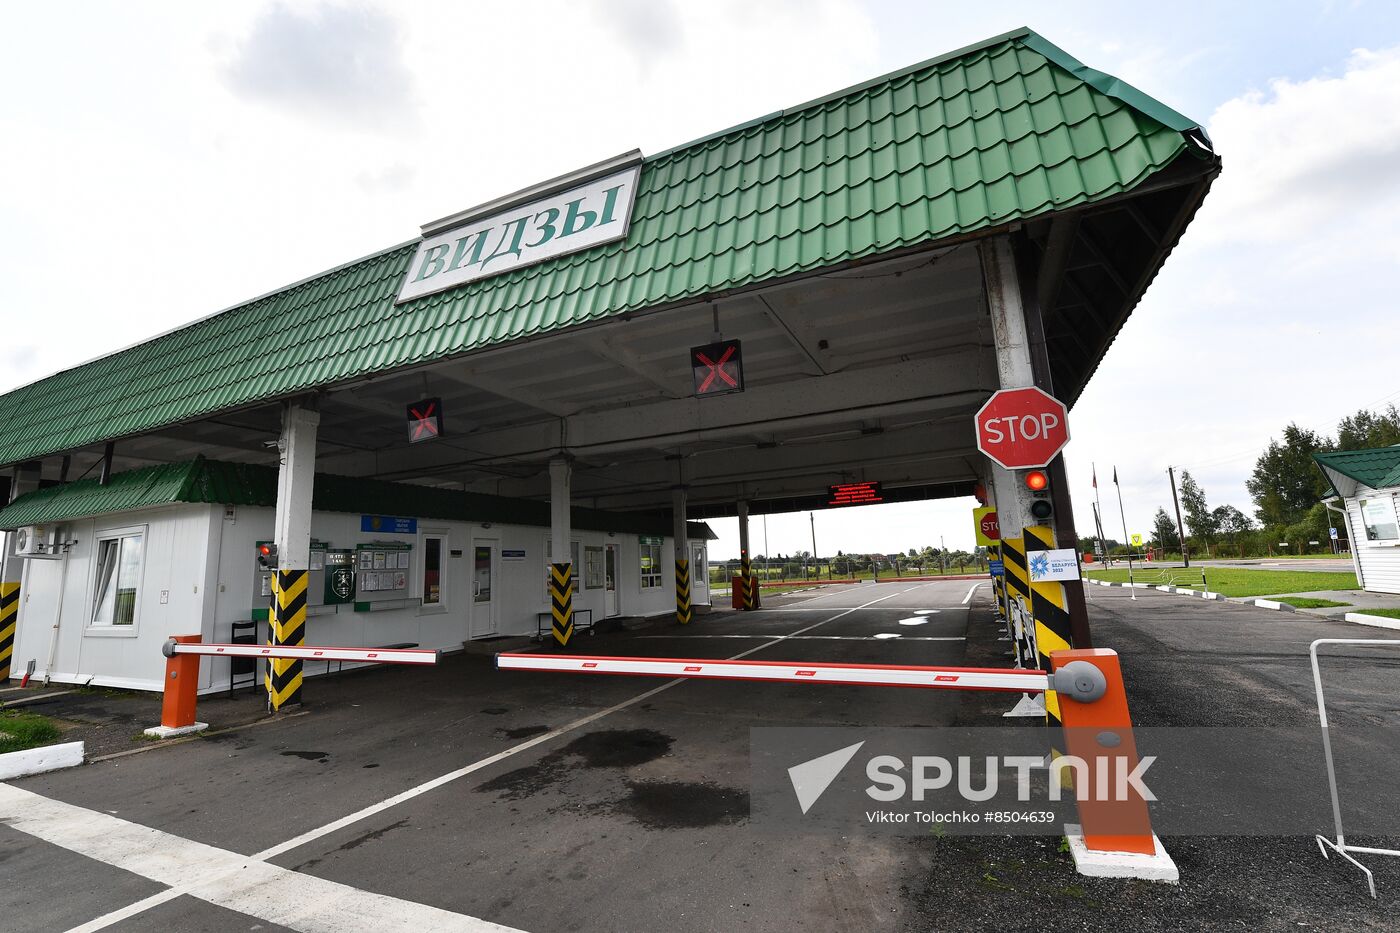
pixel 1114 838
pixel 182 654
pixel 859 675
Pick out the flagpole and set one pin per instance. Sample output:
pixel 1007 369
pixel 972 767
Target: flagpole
pixel 1098 515
pixel 1132 590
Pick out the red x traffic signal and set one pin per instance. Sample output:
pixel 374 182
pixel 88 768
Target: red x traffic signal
pixel 718 368
pixel 424 420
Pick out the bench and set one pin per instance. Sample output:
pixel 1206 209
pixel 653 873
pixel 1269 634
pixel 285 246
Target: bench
pixel 544 621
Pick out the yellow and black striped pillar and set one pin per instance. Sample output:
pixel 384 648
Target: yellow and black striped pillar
pixel 9 615
pixel 750 593
pixel 1018 589
pixel 1050 609
pixel 684 612
pixel 287 624
pixel 561 601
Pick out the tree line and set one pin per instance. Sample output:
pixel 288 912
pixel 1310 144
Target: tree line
pixel 1287 488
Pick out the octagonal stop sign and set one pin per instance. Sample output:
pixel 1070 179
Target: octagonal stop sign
pixel 1022 428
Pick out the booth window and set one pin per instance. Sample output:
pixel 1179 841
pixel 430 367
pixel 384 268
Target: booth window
pixel 1379 520
pixel 651 566
pixel 118 578
pixel 549 559
pixel 593 574
pixel 433 590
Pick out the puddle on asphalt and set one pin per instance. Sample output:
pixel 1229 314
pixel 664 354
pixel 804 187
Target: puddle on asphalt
pixel 322 757
pixel 524 732
pixel 682 804
pixel 610 748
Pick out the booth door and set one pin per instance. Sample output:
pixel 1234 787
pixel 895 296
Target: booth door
pixel 610 568
pixel 485 609
pixel 699 576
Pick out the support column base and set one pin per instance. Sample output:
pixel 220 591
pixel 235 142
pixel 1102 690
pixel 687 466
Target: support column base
pixel 1026 707
pixel 170 732
pixel 1095 864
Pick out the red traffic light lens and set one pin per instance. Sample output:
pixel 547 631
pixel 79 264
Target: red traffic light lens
pixel 264 550
pixel 1036 480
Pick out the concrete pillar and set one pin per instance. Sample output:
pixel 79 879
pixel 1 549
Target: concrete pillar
pixel 291 532
pixel 561 573
pixel 684 611
pixel 1014 370
pixel 750 595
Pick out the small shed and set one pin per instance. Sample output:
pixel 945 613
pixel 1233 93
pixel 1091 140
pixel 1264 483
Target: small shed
pixel 1367 483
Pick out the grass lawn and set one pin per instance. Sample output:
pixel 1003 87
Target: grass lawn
pixel 19 731
pixel 1388 613
pixel 1307 602
pixel 1240 581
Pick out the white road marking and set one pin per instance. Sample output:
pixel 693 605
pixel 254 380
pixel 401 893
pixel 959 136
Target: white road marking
pixel 914 620
pixel 35 699
pixel 924 612
pixel 888 635
pixel 972 589
pixel 236 882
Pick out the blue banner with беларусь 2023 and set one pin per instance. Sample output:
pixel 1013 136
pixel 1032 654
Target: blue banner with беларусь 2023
pixel 388 524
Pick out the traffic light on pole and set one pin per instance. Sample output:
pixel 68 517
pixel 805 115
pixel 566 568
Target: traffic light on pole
pixel 1038 482
pixel 267 556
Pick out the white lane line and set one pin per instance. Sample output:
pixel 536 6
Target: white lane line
pixel 227 879
pixel 412 792
pixel 972 589
pixel 43 696
pixel 819 637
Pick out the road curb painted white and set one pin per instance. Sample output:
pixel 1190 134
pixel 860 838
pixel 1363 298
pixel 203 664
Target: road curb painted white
pixel 1174 590
pixel 1273 604
pixel 1378 621
pixel 38 760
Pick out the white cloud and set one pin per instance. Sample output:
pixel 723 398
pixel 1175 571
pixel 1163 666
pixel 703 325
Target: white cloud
pixel 1308 156
pixel 340 63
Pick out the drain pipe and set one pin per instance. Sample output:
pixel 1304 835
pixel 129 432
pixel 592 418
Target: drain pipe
pixel 57 618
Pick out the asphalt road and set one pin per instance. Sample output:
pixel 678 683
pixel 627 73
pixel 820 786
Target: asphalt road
pixel 464 797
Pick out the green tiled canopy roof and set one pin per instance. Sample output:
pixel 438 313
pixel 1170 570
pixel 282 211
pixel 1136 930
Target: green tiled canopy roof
pixel 219 483
pixel 1376 468
pixel 1009 129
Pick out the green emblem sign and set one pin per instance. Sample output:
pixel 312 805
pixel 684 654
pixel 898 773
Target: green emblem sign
pixel 340 578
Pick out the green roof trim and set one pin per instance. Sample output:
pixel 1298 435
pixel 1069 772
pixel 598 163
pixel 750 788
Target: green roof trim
pixel 1009 129
pixel 216 482
pixel 1374 468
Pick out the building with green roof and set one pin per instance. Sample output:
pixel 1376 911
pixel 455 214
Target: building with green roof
pixel 866 269
pixel 1367 482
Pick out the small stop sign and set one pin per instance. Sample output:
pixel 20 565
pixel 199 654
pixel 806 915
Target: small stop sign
pixel 1022 428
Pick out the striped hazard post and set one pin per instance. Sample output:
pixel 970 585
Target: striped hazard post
pixel 1050 610
pixel 9 615
pixel 288 628
pixel 561 601
pixel 750 585
pixel 684 612
pixel 999 582
pixel 1018 589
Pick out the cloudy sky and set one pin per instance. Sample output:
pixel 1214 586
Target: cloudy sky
pixel 161 161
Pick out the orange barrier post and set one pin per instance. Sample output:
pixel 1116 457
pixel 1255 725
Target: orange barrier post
pixel 1115 838
pixel 181 691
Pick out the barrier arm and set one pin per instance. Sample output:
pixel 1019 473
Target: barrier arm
pixel 182 654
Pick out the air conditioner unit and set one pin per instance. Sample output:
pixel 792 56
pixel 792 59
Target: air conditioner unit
pixel 30 541
pixel 37 541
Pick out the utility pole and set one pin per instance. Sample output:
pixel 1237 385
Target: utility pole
pixel 943 555
pixel 812 517
pixel 1180 528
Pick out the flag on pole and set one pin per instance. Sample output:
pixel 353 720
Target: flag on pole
pixel 1115 476
pixel 1095 471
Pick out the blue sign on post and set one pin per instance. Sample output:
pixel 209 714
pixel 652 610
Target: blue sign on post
pixel 388 524
pixel 998 568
